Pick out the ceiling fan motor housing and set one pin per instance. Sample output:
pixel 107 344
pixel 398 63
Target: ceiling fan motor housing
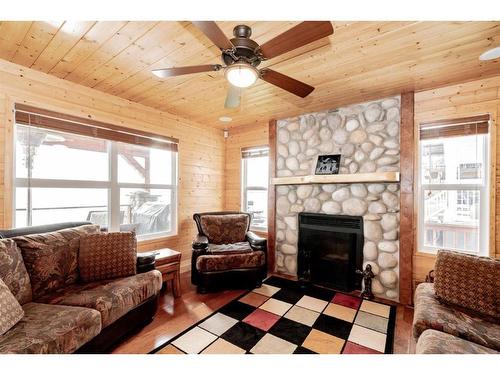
pixel 245 49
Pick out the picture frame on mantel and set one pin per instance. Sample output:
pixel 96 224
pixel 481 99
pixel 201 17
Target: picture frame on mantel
pixel 327 164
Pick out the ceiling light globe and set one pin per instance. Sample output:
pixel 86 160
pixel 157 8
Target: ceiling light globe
pixel 241 75
pixel 491 54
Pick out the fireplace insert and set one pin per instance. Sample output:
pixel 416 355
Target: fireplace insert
pixel 330 250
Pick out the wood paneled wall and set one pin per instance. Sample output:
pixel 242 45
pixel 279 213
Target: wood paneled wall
pixel 240 137
pixel 201 147
pixel 463 100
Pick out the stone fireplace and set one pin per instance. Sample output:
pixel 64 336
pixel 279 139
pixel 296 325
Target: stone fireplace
pixel 367 137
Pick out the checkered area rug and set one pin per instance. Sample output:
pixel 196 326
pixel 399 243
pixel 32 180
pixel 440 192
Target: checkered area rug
pixel 284 317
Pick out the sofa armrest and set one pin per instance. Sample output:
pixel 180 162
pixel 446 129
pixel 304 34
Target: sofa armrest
pixel 200 242
pixel 256 242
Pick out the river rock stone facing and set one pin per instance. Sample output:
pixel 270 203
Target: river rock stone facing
pixel 367 137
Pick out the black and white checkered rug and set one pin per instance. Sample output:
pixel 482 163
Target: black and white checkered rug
pixel 284 317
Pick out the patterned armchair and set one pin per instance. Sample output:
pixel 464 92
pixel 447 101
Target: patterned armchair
pixel 225 253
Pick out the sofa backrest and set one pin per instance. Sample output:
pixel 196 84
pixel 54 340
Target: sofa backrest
pixel 223 227
pixel 468 281
pixel 51 258
pixel 35 229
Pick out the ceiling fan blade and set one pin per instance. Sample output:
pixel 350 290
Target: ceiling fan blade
pixel 298 36
pixel 172 72
pixel 286 83
pixel 214 33
pixel 233 97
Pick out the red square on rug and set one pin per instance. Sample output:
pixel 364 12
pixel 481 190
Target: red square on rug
pixel 261 319
pixel 353 348
pixel 347 301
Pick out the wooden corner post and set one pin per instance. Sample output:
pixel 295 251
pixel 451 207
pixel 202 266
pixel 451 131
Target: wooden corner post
pixel 407 217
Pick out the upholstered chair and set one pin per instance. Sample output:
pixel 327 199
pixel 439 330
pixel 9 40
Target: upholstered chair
pixel 226 254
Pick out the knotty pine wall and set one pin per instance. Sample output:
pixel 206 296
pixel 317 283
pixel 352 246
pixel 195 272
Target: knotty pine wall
pixel 201 147
pixel 462 100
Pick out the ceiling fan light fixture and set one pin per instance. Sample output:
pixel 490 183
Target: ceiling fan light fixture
pixel 241 74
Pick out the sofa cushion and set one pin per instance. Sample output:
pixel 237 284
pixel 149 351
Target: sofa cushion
pixel 10 310
pixel 52 258
pixel 430 313
pixel 468 281
pixel 112 298
pixel 221 229
pixel 436 342
pixel 51 329
pixel 211 263
pixel 13 271
pixel 232 248
pixel 107 256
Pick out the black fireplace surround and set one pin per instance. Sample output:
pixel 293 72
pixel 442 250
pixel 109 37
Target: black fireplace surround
pixel 330 250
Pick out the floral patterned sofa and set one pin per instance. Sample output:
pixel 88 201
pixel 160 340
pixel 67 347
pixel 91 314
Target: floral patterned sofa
pixel 62 314
pixel 460 311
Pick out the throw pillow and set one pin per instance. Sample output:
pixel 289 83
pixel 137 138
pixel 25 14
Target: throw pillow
pixel 107 256
pixel 13 271
pixel 52 258
pixel 10 310
pixel 468 281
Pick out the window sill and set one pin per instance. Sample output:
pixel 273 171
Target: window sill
pixel 259 229
pixel 425 254
pixel 429 254
pixel 262 232
pixel 155 239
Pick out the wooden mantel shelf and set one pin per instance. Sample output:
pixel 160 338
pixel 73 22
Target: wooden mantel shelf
pixel 337 178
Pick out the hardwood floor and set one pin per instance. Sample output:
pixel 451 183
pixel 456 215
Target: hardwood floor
pixel 175 315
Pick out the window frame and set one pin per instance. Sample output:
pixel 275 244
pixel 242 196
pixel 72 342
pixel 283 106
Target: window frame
pixel 112 185
pixel 484 194
pixel 245 189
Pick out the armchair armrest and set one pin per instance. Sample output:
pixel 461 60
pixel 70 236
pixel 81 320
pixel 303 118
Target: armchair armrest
pixel 200 242
pixel 200 247
pixel 255 241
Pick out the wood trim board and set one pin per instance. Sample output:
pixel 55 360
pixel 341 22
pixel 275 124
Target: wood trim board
pixel 407 214
pixel 271 198
pixel 337 178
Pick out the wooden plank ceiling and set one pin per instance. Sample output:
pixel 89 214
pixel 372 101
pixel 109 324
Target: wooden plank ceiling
pixel 360 61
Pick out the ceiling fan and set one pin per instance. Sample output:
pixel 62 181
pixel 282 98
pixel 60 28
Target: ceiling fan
pixel 241 56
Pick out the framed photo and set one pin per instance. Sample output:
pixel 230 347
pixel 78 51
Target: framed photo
pixel 328 164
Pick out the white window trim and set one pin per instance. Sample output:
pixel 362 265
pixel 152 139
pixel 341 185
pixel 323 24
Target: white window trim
pixel 484 193
pixel 244 193
pixel 113 187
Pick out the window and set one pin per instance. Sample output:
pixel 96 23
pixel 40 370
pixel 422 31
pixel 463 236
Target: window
pixel 453 186
pixel 255 173
pixel 70 176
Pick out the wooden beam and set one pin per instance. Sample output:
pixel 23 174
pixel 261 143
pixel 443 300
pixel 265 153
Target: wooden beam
pixel 345 178
pixel 407 217
pixel 271 198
